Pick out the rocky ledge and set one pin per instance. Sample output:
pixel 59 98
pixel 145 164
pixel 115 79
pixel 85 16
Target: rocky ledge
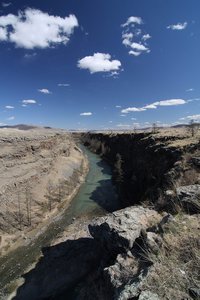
pixel 116 258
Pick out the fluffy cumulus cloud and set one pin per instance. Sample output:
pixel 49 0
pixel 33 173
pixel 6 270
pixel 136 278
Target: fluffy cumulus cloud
pixel 3 34
pixel 99 62
pixel 133 36
pixel 154 105
pixel 44 91
pixel 87 114
pixel 33 28
pixel 178 26
pixel 132 20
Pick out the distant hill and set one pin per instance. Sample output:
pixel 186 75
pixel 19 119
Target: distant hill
pixel 23 127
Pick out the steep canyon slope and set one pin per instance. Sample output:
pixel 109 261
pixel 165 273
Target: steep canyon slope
pixel 40 169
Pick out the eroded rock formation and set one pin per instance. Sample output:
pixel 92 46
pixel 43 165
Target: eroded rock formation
pixel 40 168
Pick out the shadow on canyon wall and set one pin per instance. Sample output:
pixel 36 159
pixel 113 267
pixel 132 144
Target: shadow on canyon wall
pixel 61 268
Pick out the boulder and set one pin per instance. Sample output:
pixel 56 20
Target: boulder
pixel 118 231
pixel 189 197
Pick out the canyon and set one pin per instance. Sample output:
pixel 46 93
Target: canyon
pixel 40 171
pixel 145 248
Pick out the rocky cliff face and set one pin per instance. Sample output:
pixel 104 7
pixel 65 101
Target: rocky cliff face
pixel 40 168
pixel 136 253
pixel 124 255
pixel 146 166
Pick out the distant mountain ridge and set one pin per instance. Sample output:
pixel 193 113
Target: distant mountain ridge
pixel 22 126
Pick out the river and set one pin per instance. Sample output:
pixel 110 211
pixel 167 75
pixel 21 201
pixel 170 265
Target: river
pixel 96 196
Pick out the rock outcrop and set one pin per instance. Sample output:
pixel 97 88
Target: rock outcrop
pixel 146 165
pixel 111 256
pixel 39 169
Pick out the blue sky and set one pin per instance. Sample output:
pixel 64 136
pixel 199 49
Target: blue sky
pixel 99 64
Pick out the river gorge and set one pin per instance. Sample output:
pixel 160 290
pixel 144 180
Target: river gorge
pixel 128 205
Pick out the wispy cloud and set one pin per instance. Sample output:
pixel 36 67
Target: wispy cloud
pixel 154 105
pixel 192 117
pixel 86 114
pixel 6 4
pixel 30 55
pixel 33 28
pixel 29 101
pixel 11 118
pixel 193 99
pixel 99 62
pixel 178 26
pixel 134 38
pixel 63 84
pixel 190 90
pixel 44 91
pixel 118 106
pixel 123 125
pixel 9 107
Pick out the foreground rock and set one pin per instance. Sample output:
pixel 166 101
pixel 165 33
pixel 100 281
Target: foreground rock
pixel 108 257
pixel 134 253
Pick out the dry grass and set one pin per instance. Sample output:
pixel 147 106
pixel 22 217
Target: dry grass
pixel 176 268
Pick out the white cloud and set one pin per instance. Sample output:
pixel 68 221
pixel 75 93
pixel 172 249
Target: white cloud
pixel 146 37
pixel 11 118
pixel 118 106
pixel 194 99
pixel 123 125
pixel 44 91
pixel 3 34
pixel 99 62
pixel 30 55
pixel 4 4
pixel 134 38
pixel 63 84
pixel 86 114
pixel 193 117
pixel 29 101
pixel 178 26
pixel 190 90
pixel 132 109
pixel 33 28
pixel 9 107
pixel 122 115
pixel 139 47
pixel 171 102
pixel 150 106
pixel 133 20
pixel 131 52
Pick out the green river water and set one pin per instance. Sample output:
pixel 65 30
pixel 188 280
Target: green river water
pixel 96 197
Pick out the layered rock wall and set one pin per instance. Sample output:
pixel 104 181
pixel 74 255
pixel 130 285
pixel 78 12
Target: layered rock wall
pixel 39 170
pixel 145 165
